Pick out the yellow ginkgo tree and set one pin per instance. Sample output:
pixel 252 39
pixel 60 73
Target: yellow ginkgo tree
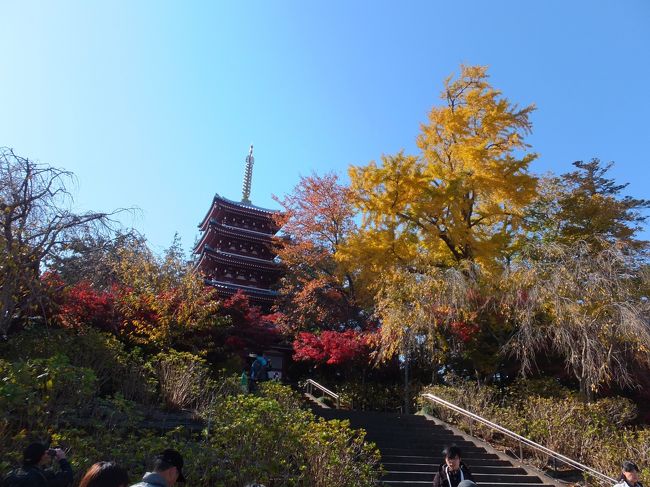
pixel 461 198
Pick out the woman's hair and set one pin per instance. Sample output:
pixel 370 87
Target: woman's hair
pixel 105 474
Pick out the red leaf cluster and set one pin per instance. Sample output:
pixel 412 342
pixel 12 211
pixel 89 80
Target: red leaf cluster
pixel 464 330
pixel 332 347
pixel 250 329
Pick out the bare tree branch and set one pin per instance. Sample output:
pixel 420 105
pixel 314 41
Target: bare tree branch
pixel 37 224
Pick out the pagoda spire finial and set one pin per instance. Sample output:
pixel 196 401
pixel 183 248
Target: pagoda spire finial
pixel 248 177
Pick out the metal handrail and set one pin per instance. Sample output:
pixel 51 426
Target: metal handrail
pixel 521 439
pixel 310 384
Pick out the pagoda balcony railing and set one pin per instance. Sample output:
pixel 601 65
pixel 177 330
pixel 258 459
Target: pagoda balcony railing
pixel 269 234
pixel 243 255
pixel 521 440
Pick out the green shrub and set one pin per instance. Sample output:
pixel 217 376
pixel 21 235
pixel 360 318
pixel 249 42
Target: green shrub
pixel 260 440
pixel 285 396
pixel 471 396
pixel 186 382
pixel 542 387
pixel 40 391
pixel 117 369
pixel 337 456
pixel 627 444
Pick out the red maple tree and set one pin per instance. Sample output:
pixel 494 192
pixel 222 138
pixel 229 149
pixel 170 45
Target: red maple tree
pixel 317 293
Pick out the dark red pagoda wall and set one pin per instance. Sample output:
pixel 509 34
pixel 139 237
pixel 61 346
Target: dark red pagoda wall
pixel 235 274
pixel 243 247
pixel 217 239
pixel 244 277
pixel 242 220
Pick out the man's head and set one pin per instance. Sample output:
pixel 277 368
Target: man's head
pixel 36 454
pixel 630 472
pixel 452 457
pixel 169 464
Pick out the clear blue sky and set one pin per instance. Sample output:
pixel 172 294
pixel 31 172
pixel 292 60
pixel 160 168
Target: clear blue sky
pixel 154 104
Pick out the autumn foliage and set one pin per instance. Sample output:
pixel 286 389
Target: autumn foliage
pixel 317 292
pixel 249 329
pixel 160 303
pixel 82 305
pixel 332 347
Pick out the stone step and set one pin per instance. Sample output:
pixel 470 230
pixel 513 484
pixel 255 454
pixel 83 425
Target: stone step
pixel 429 460
pixel 405 427
pixel 430 467
pixel 478 478
pixel 426 452
pixel 432 446
pixel 405 434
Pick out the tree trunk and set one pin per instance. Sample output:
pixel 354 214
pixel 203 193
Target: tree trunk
pixel 586 392
pixel 406 385
pixel 7 306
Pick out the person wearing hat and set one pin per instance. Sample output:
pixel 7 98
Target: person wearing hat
pixel 35 472
pixel 167 470
pixel 629 475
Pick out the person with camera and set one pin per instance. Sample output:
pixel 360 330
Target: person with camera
pixel 36 470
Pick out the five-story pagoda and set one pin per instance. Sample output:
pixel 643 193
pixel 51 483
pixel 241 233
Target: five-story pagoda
pixel 235 250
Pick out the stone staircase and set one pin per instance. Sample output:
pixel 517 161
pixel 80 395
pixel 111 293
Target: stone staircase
pixel 411 449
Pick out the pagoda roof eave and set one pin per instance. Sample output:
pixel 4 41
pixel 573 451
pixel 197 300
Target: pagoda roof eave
pixel 236 205
pixel 236 232
pixel 200 244
pixel 243 260
pixel 240 231
pixel 243 287
pixel 247 206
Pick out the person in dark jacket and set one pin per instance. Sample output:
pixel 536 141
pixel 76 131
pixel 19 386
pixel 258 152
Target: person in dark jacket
pixel 452 471
pixel 35 472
